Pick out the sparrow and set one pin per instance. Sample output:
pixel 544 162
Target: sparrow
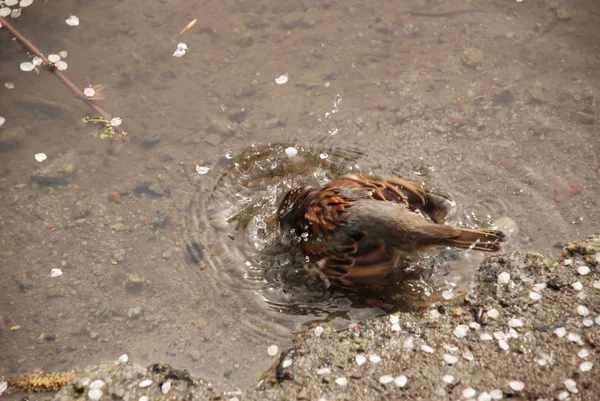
pixel 354 230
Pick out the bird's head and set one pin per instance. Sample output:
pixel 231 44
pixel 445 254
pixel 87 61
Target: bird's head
pixel 287 212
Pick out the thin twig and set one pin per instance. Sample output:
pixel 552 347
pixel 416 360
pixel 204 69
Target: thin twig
pixel 52 68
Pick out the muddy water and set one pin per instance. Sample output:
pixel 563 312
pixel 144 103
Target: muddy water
pixel 494 104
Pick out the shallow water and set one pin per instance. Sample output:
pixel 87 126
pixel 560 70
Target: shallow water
pixel 511 131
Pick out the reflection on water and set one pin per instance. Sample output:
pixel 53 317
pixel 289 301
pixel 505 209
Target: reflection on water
pixel 244 249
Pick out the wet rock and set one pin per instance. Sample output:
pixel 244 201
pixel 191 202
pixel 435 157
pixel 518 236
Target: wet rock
pixel 119 255
pixel 221 126
pixel 150 188
pixel 411 30
pixel 151 140
pixel 583 118
pixel 507 225
pixel 94 335
pixel 114 197
pixel 195 355
pixel 12 136
pixel 292 19
pixel 50 337
pixel 472 57
pixel 81 209
pixel 213 139
pixel 57 172
pixel 562 14
pixel 536 93
pixel 166 254
pixel 237 115
pixel 160 220
pixel 248 90
pixel 134 284
pixel 504 98
pixel 135 312
pixel 275 123
pixel 312 17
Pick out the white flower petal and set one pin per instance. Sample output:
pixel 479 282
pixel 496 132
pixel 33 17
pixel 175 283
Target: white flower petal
pixel 89 92
pixel 72 21
pixel 25 3
pixel 282 79
pixel 53 58
pixel 61 65
pixel 40 157
pixel 27 66
pixel 116 121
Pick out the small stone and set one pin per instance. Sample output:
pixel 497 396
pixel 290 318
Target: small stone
pixel 114 197
pixel 135 312
pixel 575 338
pixel 469 392
pixel 318 331
pixel 213 139
pixel 596 284
pixel 119 255
pixel 400 381
pixel 536 93
pixel 10 137
pixel 145 383
pixel 292 19
pixel 516 385
pixel 324 372
pixel 485 337
pixel 124 358
pixel 563 14
pixel 503 278
pixel 166 254
pixel 506 224
pixel 472 57
pixel 312 17
pixel 583 118
pixel 57 172
pixel 134 284
pixel 195 355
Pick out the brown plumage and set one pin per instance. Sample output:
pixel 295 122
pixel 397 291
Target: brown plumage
pixel 354 229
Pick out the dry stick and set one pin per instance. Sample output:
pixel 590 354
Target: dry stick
pixel 51 67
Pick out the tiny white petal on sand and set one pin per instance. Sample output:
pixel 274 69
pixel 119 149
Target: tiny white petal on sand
pixel 145 383
pixel 434 314
pixel 318 331
pixel 56 273
pixel 496 394
pixel 503 278
pixel 63 54
pixel 583 353
pixel 341 381
pixel 485 396
pixel 360 359
pixel 567 262
pixel 53 58
pixel 597 320
pixel 542 361
pixel 485 337
pixel 89 92
pixel 461 330
pixel 575 338
pixel 3 387
pixel 272 350
pixel 588 322
pixel 2 121
pixel 124 358
pixel 474 325
pixel 512 333
pixel 596 284
pixel 37 61
pixel 515 323
pixel 583 310
pixel 409 342
pixel 450 359
pixel 116 121
pixel 469 392
pixel 503 345
pixel 72 21
pixel 374 359
pixel 448 295
pixel 468 355
pixel 499 335
pixel 396 328
pixel 97 384
pixel 323 156
pixel 27 66
pixel 40 157
pixel 179 53
pixel 385 379
pixel 61 65
pixel 282 79
pixel 182 46
pixel 583 270
pixel 563 395
pixel 535 296
pixel 291 151
pixel 586 366
pixel 400 381
pixel 9 85
pixel 571 386
pixel 560 332
pixel 287 362
pixel 94 394
pixel 539 287
pixel 324 372
pixel 4 12
pixel 144 398
pixel 577 286
pixel 450 348
pixel 427 349
pixel 166 387
pixel 517 385
pixel 394 319
pixel 202 169
pixel 493 313
pixel 448 379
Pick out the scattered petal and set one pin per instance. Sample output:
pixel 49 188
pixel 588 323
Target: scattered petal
pixel 586 366
pixel 485 337
pixel 291 151
pixel 11 3
pixel 493 313
pixel 560 332
pixel 516 385
pixel 485 396
pixel 37 61
pixel 9 85
pixel 469 392
pixel 450 359
pixel 2 121
pixel 89 92
pixel 72 21
pixel 145 383
pixel 539 287
pixel 179 53
pixel 385 379
pixel 588 322
pixel 27 66
pixel 116 121
pixel 4 12
pixel 535 296
pixel 341 381
pixel 53 58
pixel 202 169
pixel 461 331
pixel 3 387
pixel 360 359
pixel 575 338
pixel 596 284
pixel 94 394
pixel 503 278
pixel 63 54
pixel 374 359
pixel 448 379
pixel 166 387
pixel 447 295
pixel 583 353
pixel 282 79
pixel 583 270
pixel 40 157
pixel 583 310
pixel 496 394
pixel 577 286
pixel 427 349
pixel 503 345
pixel 182 46
pixel 571 386
pixel 323 156
pixel 318 331
pixel 515 323
pixel 97 384
pixel 56 273
pixel 144 398
pixel 15 13
pixel 324 372
pixel 61 65
pixel 124 358
pixel 272 350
